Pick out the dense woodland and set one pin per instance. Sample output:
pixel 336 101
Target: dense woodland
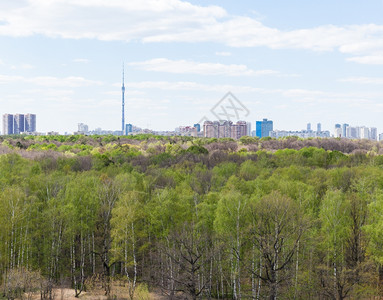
pixel 195 218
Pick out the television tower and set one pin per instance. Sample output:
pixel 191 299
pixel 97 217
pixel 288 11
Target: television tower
pixel 123 99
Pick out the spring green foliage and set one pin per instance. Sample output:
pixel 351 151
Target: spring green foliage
pixel 257 218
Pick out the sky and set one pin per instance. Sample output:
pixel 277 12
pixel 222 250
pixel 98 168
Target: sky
pixel 293 62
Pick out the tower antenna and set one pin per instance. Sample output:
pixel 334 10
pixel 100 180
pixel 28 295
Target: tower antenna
pixel 123 98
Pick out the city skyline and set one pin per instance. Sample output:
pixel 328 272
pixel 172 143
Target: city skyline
pixel 291 62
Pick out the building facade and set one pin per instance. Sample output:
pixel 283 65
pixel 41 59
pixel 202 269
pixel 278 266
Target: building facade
pixel 263 128
pixel 186 131
pixel 18 124
pixel 30 123
pixel 304 134
pixel 225 129
pixel 7 124
pixel 82 128
pixel 128 129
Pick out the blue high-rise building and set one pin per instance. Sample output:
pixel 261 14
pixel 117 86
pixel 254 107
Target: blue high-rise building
pixel 128 129
pixel 263 128
pixel 198 127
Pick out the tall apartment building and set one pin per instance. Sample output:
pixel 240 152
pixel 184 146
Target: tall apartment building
pixel 344 130
pixel 198 127
pixel 263 128
pixel 82 128
pixel 338 130
pixel 30 123
pixel 239 129
pixel 7 124
pixel 18 123
pixel 373 133
pixel 225 129
pixel 128 129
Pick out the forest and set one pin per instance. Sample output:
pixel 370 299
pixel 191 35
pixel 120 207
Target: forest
pixel 191 218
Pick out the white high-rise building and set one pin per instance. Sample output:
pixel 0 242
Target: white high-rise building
pixel 364 133
pixel 83 128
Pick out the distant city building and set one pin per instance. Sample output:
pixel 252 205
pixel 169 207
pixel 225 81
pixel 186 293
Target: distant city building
pixel 364 133
pixel 19 123
pixel 344 130
pixel 198 127
pixel 249 132
pixel 30 122
pixel 263 128
pixel 373 133
pixel 357 132
pixel 304 134
pixel 128 129
pixel 82 128
pixel 186 131
pixel 225 129
pixel 380 136
pixel 308 133
pixel 7 124
pixel 338 131
pixel 239 130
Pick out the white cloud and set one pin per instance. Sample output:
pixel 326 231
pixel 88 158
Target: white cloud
pixel 50 92
pixel 9 78
pixel 363 80
pixel 369 59
pixel 181 21
pixel 50 81
pixel 191 67
pixel 22 67
pixel 71 81
pixel 190 86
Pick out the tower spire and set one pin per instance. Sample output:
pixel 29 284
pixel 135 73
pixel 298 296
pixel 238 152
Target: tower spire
pixel 123 98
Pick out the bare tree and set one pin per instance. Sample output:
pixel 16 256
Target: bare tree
pixel 277 232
